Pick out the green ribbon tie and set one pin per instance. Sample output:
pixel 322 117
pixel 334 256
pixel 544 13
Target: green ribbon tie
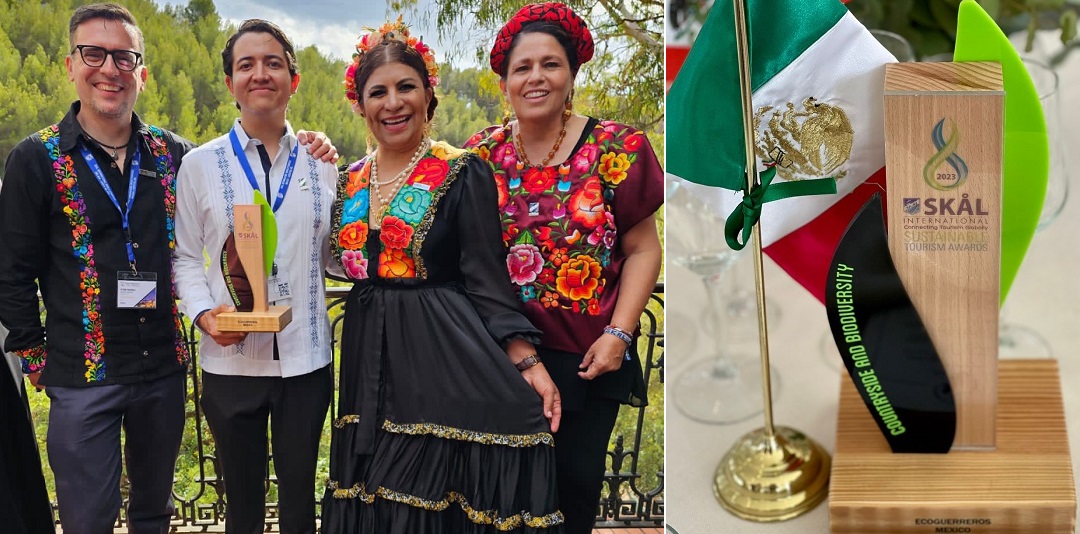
pixel 748 212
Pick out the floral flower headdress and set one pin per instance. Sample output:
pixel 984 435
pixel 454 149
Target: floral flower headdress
pixel 393 31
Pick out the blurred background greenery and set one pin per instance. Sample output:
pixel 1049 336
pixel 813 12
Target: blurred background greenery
pixel 929 25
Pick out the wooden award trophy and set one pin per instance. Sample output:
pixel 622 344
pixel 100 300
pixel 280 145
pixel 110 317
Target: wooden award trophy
pixel 1009 470
pixel 943 155
pixel 250 249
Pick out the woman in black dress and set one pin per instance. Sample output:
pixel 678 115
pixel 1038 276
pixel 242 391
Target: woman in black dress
pixel 445 413
pixel 24 501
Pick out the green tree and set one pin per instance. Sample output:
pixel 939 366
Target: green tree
pixel 479 85
pixel 458 117
pixel 625 79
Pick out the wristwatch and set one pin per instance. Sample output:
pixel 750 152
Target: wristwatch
pixel 527 362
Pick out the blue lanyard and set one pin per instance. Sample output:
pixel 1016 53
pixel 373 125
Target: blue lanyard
pixel 285 180
pixel 132 184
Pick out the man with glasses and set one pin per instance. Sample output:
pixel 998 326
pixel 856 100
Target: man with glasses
pixel 86 216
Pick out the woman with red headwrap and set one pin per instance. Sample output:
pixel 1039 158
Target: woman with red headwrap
pixel 576 197
pixel 444 419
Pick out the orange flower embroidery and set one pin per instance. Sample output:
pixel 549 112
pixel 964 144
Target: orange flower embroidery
pixel 594 306
pixel 504 190
pixel 587 205
pixel 559 255
pixel 549 299
pixel 395 263
pixel 358 179
pixel 578 278
pixel 353 236
pixel 483 152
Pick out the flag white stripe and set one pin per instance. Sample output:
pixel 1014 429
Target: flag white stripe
pixel 843 68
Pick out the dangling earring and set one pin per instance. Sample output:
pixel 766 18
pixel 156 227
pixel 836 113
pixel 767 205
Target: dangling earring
pixel 508 114
pixel 369 140
pixel 569 107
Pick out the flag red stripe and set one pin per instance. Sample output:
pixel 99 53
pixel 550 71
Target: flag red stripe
pixel 807 252
pixel 674 57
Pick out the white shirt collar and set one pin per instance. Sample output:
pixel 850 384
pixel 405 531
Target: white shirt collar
pixel 286 143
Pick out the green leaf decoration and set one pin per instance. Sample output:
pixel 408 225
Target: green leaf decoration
pixel 269 229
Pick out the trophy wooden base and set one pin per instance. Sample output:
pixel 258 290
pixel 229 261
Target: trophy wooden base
pixel 1023 487
pixel 275 319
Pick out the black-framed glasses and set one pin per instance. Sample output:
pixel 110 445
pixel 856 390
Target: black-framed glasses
pixel 94 56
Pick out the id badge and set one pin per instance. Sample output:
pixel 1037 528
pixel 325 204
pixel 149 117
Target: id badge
pixel 277 287
pixel 136 290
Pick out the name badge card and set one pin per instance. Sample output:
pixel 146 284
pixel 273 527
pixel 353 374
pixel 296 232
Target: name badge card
pixel 277 287
pixel 136 290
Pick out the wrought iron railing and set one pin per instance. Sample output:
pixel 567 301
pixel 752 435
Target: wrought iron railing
pixel 631 498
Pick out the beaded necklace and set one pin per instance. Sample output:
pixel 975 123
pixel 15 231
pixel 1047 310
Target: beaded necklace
pixel 398 181
pixel 519 145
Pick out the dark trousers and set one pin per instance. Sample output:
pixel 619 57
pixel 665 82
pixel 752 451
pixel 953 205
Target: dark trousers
pixel 84 452
pixel 580 459
pixel 237 409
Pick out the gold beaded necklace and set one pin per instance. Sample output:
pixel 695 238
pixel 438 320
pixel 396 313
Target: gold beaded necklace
pixel 398 181
pixel 519 145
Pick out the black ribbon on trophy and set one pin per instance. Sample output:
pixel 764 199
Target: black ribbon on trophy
pixel 884 343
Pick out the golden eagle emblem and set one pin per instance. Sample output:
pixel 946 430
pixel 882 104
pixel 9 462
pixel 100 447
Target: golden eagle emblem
pixel 811 143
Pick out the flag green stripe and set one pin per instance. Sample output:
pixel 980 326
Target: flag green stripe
pixel 704 117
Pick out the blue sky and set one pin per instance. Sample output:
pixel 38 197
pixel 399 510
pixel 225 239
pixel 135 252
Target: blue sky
pixel 330 25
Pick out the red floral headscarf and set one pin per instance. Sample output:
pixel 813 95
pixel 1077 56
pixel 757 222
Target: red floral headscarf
pixel 550 11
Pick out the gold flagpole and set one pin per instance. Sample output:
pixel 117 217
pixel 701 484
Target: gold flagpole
pixel 770 474
pixel 752 180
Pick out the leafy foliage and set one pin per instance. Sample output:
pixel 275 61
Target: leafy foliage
pixel 185 91
pixel 930 25
pixel 623 82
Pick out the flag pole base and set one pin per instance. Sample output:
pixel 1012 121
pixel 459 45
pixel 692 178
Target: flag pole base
pixel 772 479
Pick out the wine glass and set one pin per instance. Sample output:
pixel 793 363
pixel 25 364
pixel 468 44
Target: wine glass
pixel 1014 340
pixel 1057 185
pixel 895 43
pixel 680 330
pixel 723 387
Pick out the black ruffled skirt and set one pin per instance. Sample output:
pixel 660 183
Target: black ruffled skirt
pixel 437 432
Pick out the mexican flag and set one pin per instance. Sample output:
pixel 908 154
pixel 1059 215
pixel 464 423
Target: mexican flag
pixel 817 77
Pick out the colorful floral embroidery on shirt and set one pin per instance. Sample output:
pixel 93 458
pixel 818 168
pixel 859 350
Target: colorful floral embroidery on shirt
pixel 33 359
pixel 557 221
pixel 82 245
pixel 167 171
pixel 406 221
pixel 75 209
